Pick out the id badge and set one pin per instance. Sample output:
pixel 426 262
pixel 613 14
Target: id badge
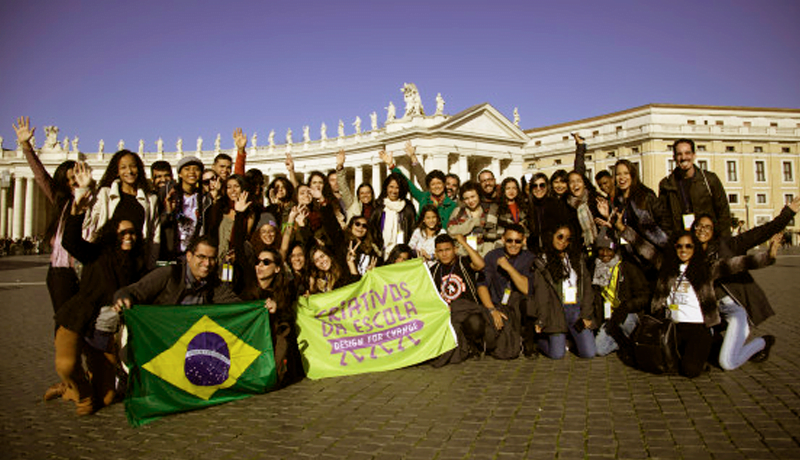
pixel 401 238
pixel 227 272
pixel 571 294
pixel 506 296
pixel 472 241
pixel 688 220
pixel 607 309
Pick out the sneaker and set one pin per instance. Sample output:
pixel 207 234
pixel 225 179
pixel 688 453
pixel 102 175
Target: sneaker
pixel 763 355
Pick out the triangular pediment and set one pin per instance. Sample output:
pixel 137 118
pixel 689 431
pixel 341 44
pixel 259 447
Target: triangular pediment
pixel 483 120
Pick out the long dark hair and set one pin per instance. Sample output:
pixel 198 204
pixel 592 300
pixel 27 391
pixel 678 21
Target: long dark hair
pixel 287 185
pixel 63 197
pixel 130 264
pixel 367 243
pixel 638 189
pixel 520 199
pixel 553 262
pixel 421 221
pixel 332 276
pixel 559 174
pixel 112 171
pixel 698 270
pixel 227 203
pixel 280 287
pixel 401 182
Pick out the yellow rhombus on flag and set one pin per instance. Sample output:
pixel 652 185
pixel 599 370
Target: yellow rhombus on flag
pixel 170 365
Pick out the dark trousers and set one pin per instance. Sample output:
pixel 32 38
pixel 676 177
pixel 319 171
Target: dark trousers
pixel 694 346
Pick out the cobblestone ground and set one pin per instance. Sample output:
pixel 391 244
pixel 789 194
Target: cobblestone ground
pixel 480 409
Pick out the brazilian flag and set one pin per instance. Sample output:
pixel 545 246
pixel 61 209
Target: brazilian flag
pixel 190 357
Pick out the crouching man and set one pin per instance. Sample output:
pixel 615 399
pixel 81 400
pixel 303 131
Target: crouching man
pixel 456 278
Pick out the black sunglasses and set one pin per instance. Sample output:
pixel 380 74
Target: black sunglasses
pixel 513 240
pixel 539 185
pixel 359 223
pixel 265 262
pixel 682 246
pixel 208 181
pixel 562 236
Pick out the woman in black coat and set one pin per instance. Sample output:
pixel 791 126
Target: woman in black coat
pixel 392 221
pixel 111 262
pixel 545 212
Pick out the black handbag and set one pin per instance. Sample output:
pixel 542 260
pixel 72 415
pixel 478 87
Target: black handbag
pixel 656 345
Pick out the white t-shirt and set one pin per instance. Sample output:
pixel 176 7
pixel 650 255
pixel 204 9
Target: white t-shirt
pixel 683 303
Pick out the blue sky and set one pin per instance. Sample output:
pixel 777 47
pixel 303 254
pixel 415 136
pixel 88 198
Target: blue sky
pixel 131 70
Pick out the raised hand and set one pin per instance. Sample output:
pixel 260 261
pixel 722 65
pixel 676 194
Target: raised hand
pixel 169 201
pixel 411 151
pixel 239 138
pixel 795 204
pixel 387 158
pixel 578 139
pixel 289 162
pixel 241 204
pixel 302 213
pixel 340 159
pixel 83 174
pixel 617 219
pixel 775 243
pixel 602 223
pixel 23 130
pixel 81 202
pixel 602 207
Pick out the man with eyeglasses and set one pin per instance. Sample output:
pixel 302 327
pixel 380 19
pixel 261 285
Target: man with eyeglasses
pixel 504 292
pixel 490 193
pixel 191 283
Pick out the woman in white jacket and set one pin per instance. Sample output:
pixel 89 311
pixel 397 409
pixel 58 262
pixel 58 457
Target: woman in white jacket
pixel 125 193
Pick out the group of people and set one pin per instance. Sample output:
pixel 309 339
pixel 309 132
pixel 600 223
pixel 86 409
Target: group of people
pixel 527 267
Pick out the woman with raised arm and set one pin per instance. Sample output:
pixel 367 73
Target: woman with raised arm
pixel 684 290
pixel 364 202
pixel 353 242
pixel 62 281
pixel 740 299
pixel 392 222
pixel 235 187
pixel 113 260
pixel 545 213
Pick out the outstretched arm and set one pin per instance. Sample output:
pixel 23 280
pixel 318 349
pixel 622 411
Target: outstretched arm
pixel 341 179
pixel 290 171
pixel 580 154
pixel 416 166
pixel 240 139
pixel 24 133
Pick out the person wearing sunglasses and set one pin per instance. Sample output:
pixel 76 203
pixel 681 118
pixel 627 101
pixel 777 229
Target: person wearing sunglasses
pixel 740 299
pixel 544 211
pixel 684 290
pixel 355 247
pixel 504 291
pixel 563 298
pixel 273 284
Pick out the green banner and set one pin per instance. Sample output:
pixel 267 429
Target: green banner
pixel 190 357
pixel 390 319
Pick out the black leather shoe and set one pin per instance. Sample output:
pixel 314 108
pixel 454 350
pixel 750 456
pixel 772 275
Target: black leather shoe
pixel 763 355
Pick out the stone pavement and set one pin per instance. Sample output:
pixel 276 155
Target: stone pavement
pixel 480 409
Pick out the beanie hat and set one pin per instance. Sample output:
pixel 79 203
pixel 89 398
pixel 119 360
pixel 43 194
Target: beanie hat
pixel 190 161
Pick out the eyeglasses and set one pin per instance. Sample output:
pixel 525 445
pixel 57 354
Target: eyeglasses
pixel 562 236
pixel 359 223
pixel 514 240
pixel 265 262
pixel 684 246
pixel 539 185
pixel 206 259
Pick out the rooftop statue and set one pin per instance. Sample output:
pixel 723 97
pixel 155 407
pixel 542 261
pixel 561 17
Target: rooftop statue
pixel 439 104
pixel 413 100
pixel 357 125
pixel 341 128
pixel 323 131
pixel 391 112
pixel 306 135
pixel 271 138
pixel 373 121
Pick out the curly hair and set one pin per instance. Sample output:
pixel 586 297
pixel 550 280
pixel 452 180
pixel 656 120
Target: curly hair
pixel 401 183
pixel 112 171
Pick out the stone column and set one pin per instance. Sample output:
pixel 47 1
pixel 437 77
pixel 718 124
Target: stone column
pixel 30 201
pixel 376 175
pixel 358 179
pixel 19 195
pixel 495 167
pixel 3 212
pixel 463 168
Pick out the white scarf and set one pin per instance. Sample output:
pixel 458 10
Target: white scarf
pixel 391 212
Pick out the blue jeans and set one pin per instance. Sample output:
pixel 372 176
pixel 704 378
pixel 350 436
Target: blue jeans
pixel 554 346
pixel 606 344
pixel 734 351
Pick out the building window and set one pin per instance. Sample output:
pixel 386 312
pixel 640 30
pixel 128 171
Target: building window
pixel 589 172
pixel 720 123
pixel 773 125
pixel 557 162
pixel 635 150
pixel 788 198
pixel 758 149
pixel 565 138
pixel 588 158
pixel 761 175
pixel 785 150
pixel 703 164
pixel 612 154
pixel 691 122
pixel 733 198
pixel 732 176
pixel 748 124
pixel 619 128
pixel 595 133
pixel 788 174
pixel 730 148
pixel 538 143
pixel 701 148
pixel 761 198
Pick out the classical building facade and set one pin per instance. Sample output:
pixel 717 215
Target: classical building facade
pixel 755 151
